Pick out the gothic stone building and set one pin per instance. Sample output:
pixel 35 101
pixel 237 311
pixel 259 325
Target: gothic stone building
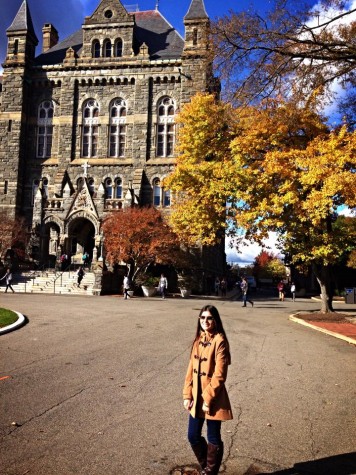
pixel 88 126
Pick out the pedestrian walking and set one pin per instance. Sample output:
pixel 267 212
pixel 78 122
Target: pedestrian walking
pixel 293 290
pixel 204 392
pixel 245 290
pixel 8 279
pixel 163 285
pixel 217 286
pixel 223 287
pixel 80 275
pixel 127 285
pixel 280 288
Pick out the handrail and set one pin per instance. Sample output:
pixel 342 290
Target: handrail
pixel 32 275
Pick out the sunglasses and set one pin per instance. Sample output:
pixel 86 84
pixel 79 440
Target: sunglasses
pixel 209 319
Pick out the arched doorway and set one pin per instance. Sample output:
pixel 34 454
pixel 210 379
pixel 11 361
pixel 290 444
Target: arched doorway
pixel 81 238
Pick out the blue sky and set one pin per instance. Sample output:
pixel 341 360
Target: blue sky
pixel 67 15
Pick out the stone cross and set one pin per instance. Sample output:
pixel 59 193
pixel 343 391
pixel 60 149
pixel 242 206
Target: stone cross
pixel 85 167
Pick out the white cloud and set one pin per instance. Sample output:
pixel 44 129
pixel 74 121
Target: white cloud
pixel 247 252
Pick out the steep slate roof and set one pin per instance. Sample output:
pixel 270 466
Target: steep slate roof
pixel 196 11
pixel 23 21
pixel 163 41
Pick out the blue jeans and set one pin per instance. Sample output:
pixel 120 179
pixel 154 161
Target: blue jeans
pixel 195 427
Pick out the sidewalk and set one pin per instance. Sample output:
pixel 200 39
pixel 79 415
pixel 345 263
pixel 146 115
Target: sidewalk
pixel 342 328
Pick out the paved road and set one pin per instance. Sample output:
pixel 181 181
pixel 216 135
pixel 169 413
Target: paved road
pixel 95 388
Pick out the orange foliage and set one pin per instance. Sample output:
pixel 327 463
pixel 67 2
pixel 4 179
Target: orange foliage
pixel 139 237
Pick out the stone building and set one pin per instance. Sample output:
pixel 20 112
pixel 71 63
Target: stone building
pixel 87 127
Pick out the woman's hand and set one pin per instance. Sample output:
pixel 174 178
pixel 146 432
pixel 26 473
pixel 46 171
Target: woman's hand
pixel 205 407
pixel 187 403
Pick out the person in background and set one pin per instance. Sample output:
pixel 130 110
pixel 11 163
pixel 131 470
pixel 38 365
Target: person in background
pixel 204 392
pixel 245 290
pixel 217 286
pixel 280 288
pixel 293 290
pixel 80 275
pixel 127 285
pixel 8 279
pixel 163 285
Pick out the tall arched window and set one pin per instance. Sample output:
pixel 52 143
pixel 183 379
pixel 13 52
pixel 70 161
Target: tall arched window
pixel 108 188
pixel 90 130
pixel 195 37
pixel 161 196
pixel 44 129
pixel 91 185
pixel 118 47
pixel 156 192
pixel 117 141
pixel 165 127
pixel 95 52
pixel 107 49
pixel 118 188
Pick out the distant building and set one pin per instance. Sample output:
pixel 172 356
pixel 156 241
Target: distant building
pixel 88 126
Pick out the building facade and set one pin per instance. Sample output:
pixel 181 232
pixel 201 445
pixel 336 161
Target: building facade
pixel 87 127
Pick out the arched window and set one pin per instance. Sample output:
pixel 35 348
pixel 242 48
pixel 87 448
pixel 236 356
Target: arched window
pixel 118 188
pixel 95 52
pixel 44 129
pixel 91 185
pixel 166 198
pixel 108 188
pixel 165 127
pixel 117 140
pixel 156 192
pixel 161 196
pixel 118 48
pixel 107 49
pixel 90 130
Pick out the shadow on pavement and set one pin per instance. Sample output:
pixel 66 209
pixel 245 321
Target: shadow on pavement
pixel 343 464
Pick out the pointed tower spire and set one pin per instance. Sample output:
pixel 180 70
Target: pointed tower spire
pixel 23 21
pixel 196 11
pixel 22 39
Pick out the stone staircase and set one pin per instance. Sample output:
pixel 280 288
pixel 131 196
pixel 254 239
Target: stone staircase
pixel 51 282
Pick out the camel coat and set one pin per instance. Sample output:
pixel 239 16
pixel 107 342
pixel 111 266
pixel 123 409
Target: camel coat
pixel 206 376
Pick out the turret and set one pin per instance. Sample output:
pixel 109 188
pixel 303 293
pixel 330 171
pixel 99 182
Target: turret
pixel 196 23
pixel 22 39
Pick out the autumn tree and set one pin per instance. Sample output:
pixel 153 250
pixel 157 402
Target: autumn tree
pixel 280 170
pixel 268 266
pixel 13 233
pixel 140 237
pixel 288 49
pixel 202 169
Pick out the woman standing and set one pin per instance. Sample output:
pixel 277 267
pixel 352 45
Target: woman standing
pixel 204 393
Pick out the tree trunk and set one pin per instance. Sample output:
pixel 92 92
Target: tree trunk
pixel 322 274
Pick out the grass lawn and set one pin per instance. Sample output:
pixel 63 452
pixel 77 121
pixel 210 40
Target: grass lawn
pixel 7 317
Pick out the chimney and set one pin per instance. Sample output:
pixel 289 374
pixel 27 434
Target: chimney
pixel 49 37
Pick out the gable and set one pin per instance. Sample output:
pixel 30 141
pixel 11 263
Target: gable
pixel 109 12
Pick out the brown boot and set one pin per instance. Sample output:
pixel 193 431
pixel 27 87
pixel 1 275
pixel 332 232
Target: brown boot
pixel 214 459
pixel 201 450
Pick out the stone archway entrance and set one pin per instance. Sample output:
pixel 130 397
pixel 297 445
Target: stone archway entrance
pixel 81 238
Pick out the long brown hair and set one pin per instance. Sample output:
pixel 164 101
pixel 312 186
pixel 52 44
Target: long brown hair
pixel 218 326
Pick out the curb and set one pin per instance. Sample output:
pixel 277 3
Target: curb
pixel 352 341
pixel 19 322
